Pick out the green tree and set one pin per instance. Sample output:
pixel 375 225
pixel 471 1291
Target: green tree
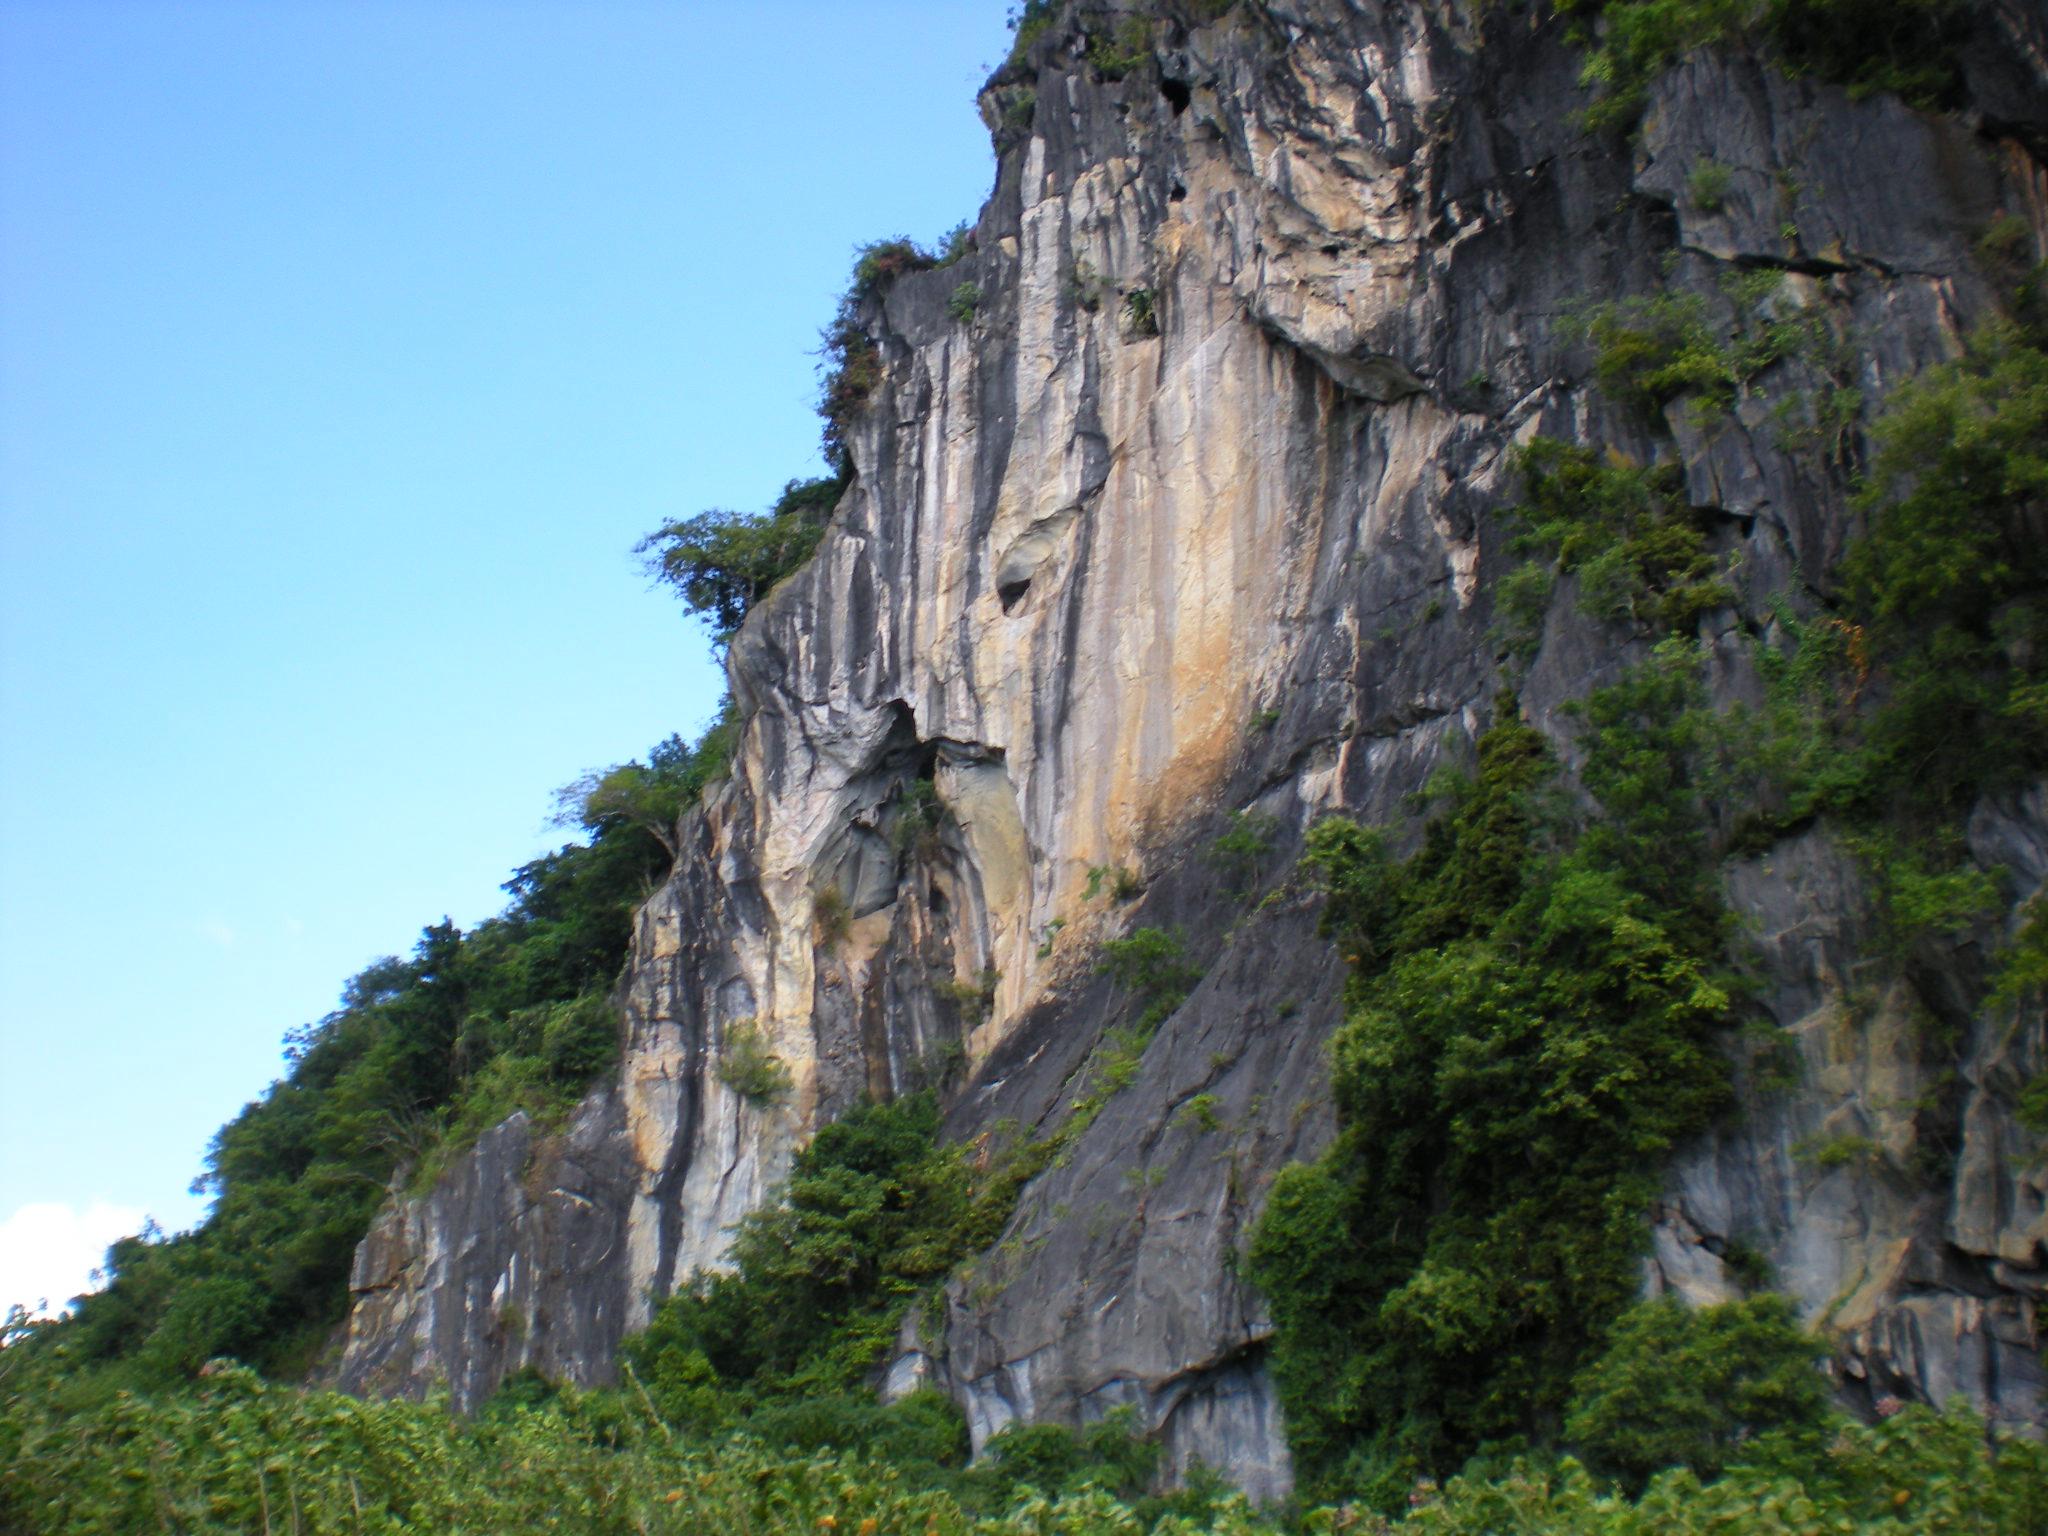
pixel 1528 1036
pixel 1682 1388
pixel 722 563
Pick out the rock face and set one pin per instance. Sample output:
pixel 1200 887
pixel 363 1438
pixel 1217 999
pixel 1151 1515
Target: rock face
pixel 1200 514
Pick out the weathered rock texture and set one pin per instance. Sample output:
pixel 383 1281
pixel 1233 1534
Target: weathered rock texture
pixel 1111 570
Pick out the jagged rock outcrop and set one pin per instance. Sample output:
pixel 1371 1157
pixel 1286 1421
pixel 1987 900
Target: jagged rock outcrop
pixel 1200 513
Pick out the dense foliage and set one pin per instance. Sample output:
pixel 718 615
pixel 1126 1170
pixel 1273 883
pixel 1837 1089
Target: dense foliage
pixel 1529 1034
pixel 1638 549
pixel 237 1455
pixel 1949 589
pixel 1918 1474
pixel 1679 1388
pixel 1906 47
pixel 722 563
pixel 874 1214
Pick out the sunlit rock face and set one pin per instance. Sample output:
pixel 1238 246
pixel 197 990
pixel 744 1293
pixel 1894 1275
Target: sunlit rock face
pixel 1201 512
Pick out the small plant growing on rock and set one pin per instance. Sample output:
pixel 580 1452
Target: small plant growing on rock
pixel 1242 848
pixel 1123 884
pixel 831 916
pixel 1829 1153
pixel 1199 1114
pixel 965 301
pixel 1084 285
pixel 1152 963
pixel 1122 49
pixel 1707 184
pixel 975 999
pixel 749 1068
pixel 918 814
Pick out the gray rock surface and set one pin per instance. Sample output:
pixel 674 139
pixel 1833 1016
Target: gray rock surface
pixel 1103 587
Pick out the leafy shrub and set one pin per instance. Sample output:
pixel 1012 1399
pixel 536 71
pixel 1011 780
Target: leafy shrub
pixel 1707 184
pixel 1830 1153
pixel 852 363
pixel 924 1431
pixel 918 815
pixel 1124 884
pixel 1930 687
pixel 1905 47
pixel 1800 744
pixel 2023 972
pixel 651 796
pixel 872 1215
pixel 1628 533
pixel 1121 47
pixel 1952 578
pixel 1030 21
pixel 1926 890
pixel 974 998
pixel 1650 351
pixel 2030 1104
pixel 722 563
pixel 964 301
pixel 1651 746
pixel 1153 964
pixel 1199 1114
pixel 831 915
pixel 1240 850
pixel 1053 1459
pixel 1521 601
pixel 579 1039
pixel 1683 1388
pixel 1527 1036
pixel 748 1067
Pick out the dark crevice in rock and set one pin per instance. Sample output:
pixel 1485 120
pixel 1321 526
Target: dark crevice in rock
pixel 1805 266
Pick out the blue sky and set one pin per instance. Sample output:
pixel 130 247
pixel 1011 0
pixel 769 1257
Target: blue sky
pixel 345 351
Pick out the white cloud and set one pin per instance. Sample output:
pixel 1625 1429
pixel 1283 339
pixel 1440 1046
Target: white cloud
pixel 49 1251
pixel 214 931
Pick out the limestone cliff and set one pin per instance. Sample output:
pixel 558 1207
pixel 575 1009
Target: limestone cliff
pixel 1199 513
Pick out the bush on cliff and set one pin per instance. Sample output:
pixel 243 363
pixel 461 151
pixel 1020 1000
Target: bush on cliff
pixel 1904 47
pixel 1527 1037
pixel 1698 1389
pixel 874 1213
pixel 722 563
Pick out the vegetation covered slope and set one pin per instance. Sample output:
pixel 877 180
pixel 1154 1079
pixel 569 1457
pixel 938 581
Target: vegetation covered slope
pixel 423 1054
